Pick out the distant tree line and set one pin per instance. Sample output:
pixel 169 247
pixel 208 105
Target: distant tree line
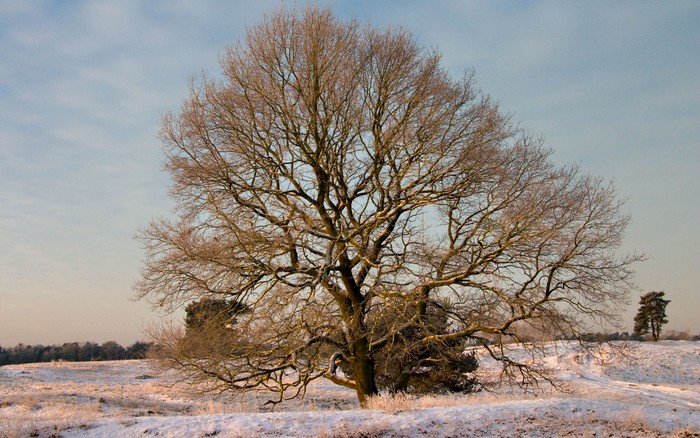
pixel 672 335
pixel 73 352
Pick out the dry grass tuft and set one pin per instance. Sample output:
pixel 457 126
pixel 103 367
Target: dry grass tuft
pixel 212 407
pixel 406 402
pixel 635 420
pixel 687 433
pixel 348 430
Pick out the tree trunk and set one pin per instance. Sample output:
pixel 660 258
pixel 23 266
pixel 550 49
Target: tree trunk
pixel 364 372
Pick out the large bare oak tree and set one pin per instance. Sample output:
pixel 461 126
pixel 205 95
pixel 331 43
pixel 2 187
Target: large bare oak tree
pixel 373 215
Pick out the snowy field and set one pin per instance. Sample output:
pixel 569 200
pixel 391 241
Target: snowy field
pixel 652 390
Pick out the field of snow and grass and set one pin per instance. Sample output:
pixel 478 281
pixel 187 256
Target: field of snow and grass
pixel 653 389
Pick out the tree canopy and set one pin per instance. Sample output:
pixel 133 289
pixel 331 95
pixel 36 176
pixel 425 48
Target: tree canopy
pixel 374 215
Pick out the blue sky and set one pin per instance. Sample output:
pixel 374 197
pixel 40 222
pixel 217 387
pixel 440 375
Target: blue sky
pixel 612 86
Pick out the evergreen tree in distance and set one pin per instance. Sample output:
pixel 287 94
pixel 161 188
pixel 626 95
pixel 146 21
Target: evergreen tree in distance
pixel 220 312
pixel 651 314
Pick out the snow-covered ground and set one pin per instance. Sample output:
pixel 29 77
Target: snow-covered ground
pixel 651 390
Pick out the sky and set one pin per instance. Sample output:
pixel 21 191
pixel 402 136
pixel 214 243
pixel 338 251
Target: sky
pixel 611 86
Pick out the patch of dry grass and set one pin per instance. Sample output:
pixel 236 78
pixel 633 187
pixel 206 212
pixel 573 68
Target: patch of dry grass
pixel 212 407
pixel 406 402
pixel 27 427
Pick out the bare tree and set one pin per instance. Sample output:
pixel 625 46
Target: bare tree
pixel 365 207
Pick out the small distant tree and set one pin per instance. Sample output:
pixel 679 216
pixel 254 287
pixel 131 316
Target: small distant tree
pixel 210 330
pixel 651 315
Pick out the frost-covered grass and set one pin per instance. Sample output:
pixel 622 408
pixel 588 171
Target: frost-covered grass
pixel 650 390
